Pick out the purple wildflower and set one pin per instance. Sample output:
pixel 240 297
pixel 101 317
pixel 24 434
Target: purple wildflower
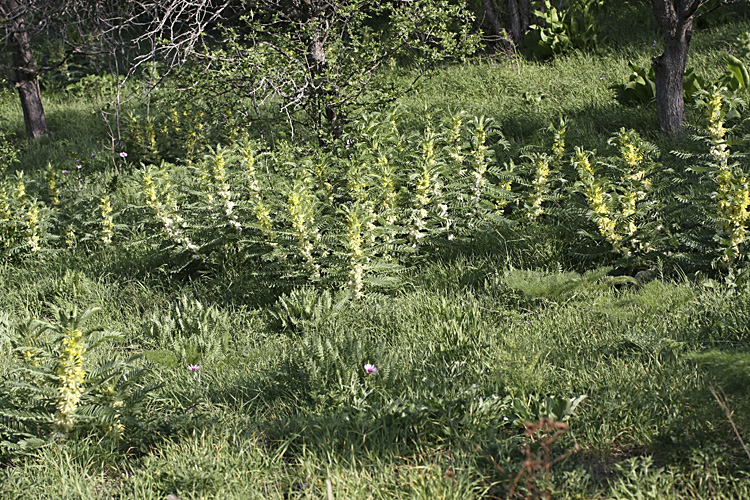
pixel 123 154
pixel 79 165
pixel 194 368
pixel 370 368
pixel 66 171
pixel 93 155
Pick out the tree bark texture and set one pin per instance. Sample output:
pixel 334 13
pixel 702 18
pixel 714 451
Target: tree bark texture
pixel 669 70
pixel 25 77
pixel 675 18
pixel 488 6
pixel 518 19
pixel 334 117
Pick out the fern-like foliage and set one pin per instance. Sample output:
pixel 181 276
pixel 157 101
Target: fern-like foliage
pixel 39 401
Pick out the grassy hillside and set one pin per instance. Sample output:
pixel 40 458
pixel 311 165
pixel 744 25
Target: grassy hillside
pixel 505 356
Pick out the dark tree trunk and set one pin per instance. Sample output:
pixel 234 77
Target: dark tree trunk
pixel 518 19
pixel 524 11
pixel 488 6
pixel 330 118
pixel 25 77
pixel 669 69
pixel 675 18
pixel 514 19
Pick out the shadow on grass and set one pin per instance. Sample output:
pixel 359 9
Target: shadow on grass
pixel 76 132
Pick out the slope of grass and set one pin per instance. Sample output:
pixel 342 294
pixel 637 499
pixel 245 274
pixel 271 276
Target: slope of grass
pixel 465 355
pixel 472 344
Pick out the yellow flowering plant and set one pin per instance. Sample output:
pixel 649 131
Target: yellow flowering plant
pixel 107 223
pixel 598 193
pixel 540 189
pixel 63 386
pixel 732 195
pixel 156 190
pixel 618 192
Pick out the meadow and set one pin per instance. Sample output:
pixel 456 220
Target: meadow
pixel 506 284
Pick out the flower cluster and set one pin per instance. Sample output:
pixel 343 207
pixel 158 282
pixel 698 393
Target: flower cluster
pixel 733 197
pixel 70 376
pixel 716 130
pixel 223 190
pixel 356 180
pixel 248 165
pixel 539 186
pixel 733 189
pixel 172 224
pixel 386 197
pixel 262 214
pixel 6 229
pixel 455 139
pixel 479 159
pixel 31 356
pixel 301 202
pixel 52 187
pixel 71 240
pixel 558 143
pixel 142 136
pixel 20 187
pixel 423 188
pixel 32 226
pixel 108 225
pixel 597 197
pixel 635 183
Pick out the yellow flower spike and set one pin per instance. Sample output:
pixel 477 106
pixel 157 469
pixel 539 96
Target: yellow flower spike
pixel 52 187
pixel 542 170
pixel 71 378
pixel 301 210
pixel 107 223
pixel 32 227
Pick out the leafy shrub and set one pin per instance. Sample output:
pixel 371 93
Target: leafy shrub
pixel 561 31
pixel 356 213
pixel 641 88
pixel 736 76
pixel 306 307
pixel 554 287
pixel 55 391
pixel 189 334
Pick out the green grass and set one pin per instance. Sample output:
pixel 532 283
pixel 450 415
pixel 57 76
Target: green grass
pixel 524 97
pixel 506 327
pixel 464 358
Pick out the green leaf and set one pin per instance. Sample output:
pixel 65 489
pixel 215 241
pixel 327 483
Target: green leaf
pixel 738 71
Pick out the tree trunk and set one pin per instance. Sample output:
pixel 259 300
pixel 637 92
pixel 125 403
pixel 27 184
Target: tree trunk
pixel 514 19
pixel 25 78
pixel 675 18
pixel 524 11
pixel 518 13
pixel 329 118
pixel 669 69
pixel 488 6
